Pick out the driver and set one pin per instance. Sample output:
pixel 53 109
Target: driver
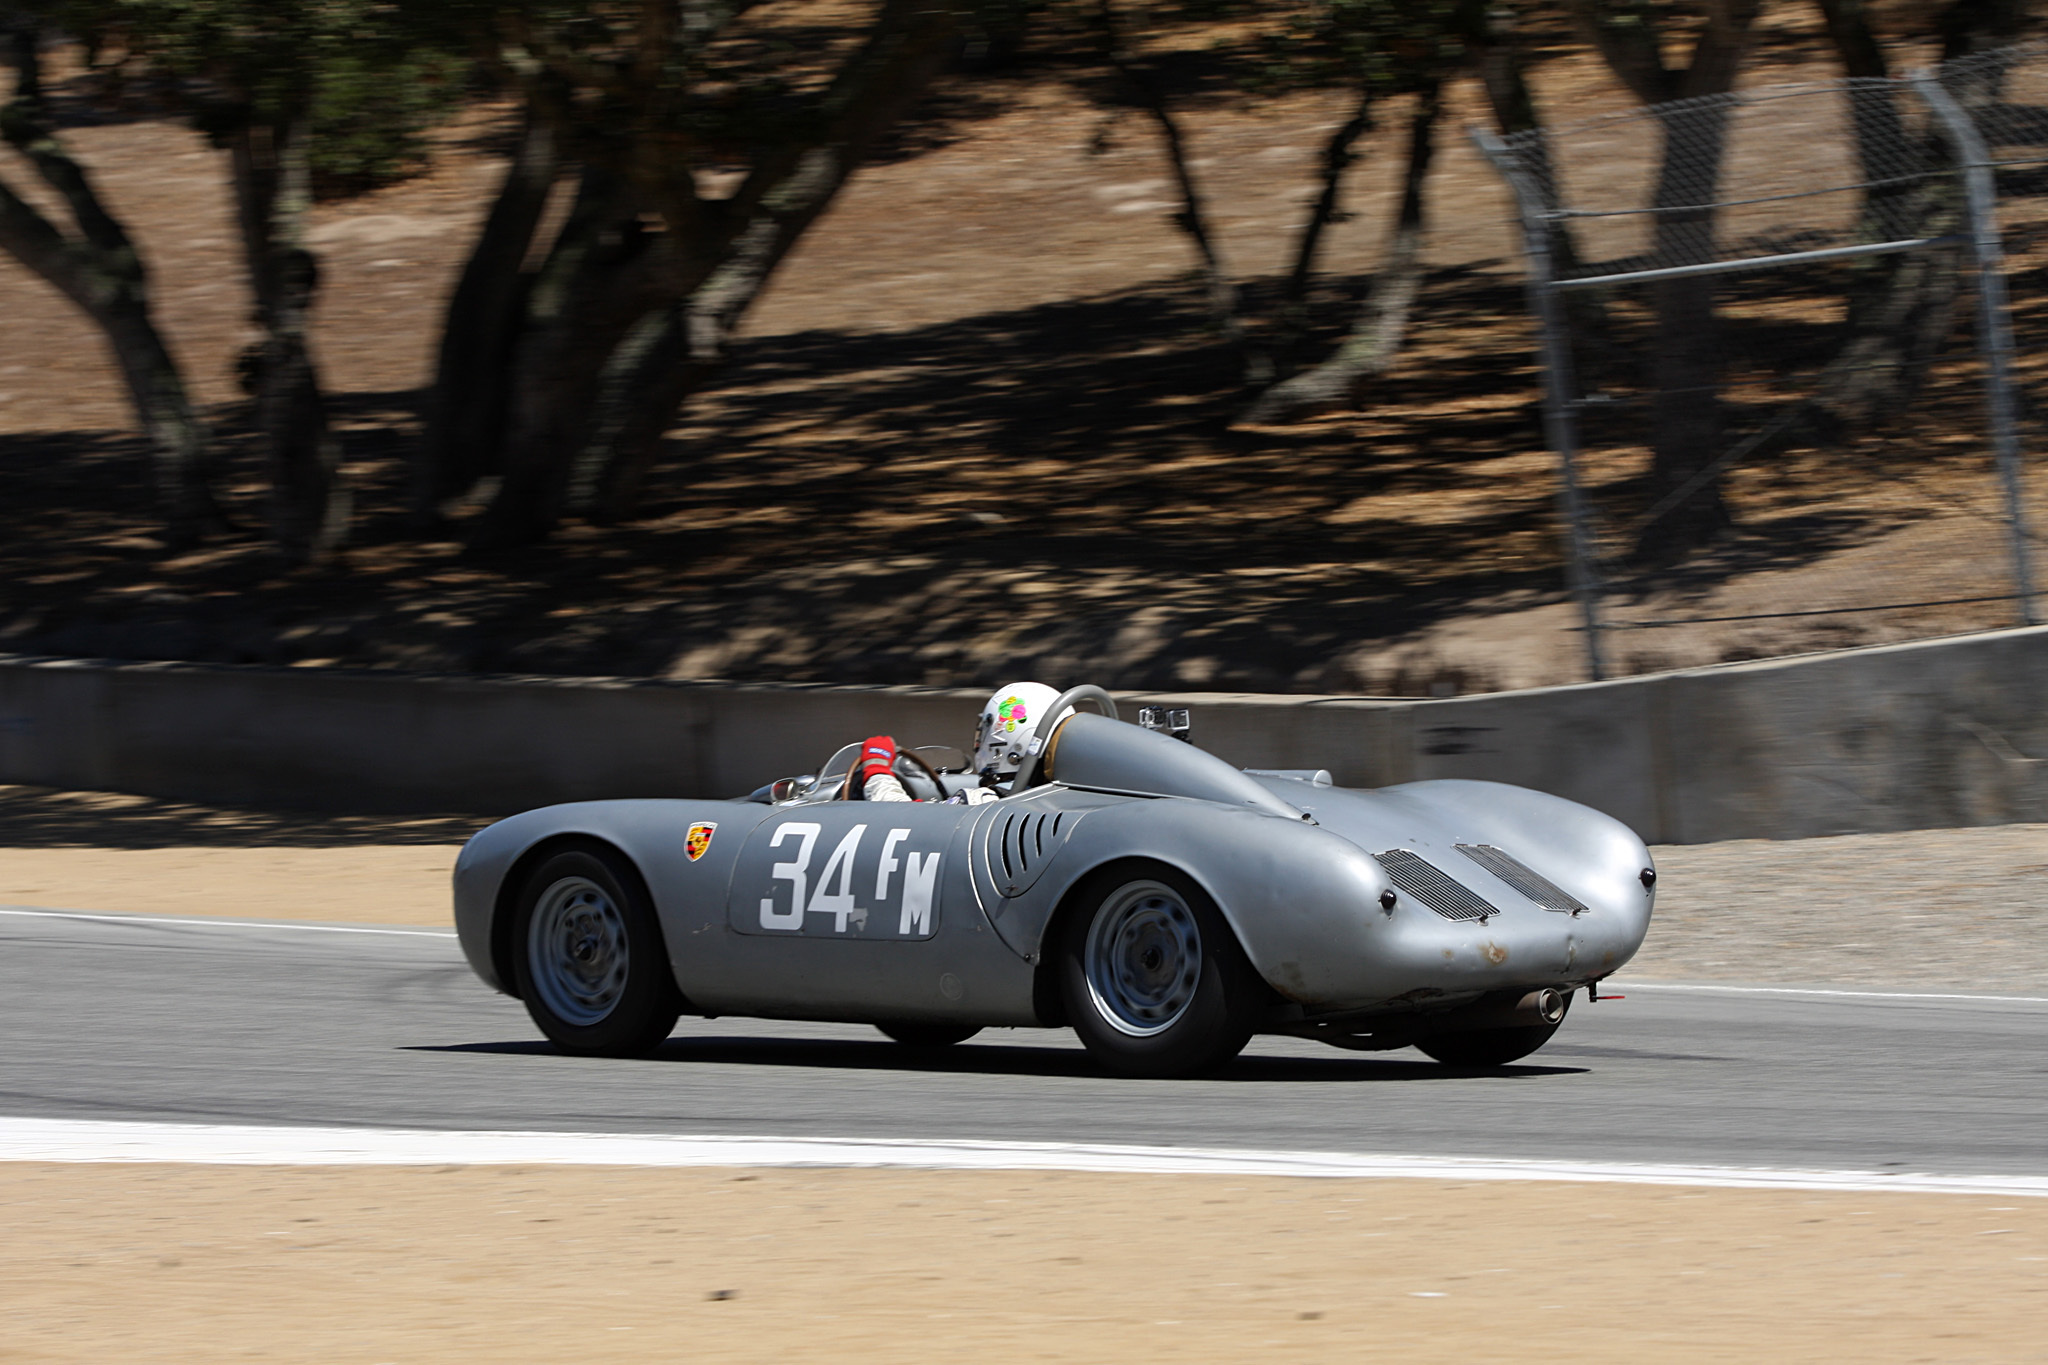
pixel 1003 736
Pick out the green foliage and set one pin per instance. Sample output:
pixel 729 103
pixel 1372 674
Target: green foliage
pixel 1271 47
pixel 370 119
pixel 644 88
pixel 368 77
pixel 1386 46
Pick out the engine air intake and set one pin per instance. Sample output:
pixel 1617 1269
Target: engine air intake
pixel 1422 879
pixel 1523 878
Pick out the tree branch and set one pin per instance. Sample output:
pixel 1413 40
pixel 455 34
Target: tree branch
pixel 35 241
pixel 466 410
pixel 891 68
pixel 1192 218
pixel 1337 158
pixel 669 354
pixel 26 126
pixel 1382 323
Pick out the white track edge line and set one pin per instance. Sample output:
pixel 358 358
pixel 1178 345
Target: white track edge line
pixel 94 1140
pixel 1708 988
pixel 223 923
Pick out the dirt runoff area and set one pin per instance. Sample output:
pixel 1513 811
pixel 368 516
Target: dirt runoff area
pixel 179 1263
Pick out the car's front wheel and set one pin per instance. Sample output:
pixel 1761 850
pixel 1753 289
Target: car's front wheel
pixel 1153 979
pixel 590 964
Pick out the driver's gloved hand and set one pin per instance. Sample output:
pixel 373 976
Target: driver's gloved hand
pixel 878 771
pixel 877 756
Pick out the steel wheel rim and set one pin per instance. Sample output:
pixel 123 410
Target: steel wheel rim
pixel 577 950
pixel 1143 959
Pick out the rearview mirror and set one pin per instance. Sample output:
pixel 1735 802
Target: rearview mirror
pixel 790 788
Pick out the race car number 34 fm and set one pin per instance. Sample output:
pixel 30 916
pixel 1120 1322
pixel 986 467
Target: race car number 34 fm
pixel 873 883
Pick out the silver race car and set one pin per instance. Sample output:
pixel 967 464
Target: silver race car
pixel 1161 903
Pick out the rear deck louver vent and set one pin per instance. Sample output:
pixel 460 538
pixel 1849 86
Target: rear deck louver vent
pixel 1418 877
pixel 1524 879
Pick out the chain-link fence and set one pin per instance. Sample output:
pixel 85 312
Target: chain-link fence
pixel 1787 336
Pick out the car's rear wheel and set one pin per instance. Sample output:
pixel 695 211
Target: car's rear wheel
pixel 590 964
pixel 1154 981
pixel 1488 1047
pixel 929 1035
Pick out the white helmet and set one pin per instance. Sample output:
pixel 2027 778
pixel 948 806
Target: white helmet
pixel 1009 722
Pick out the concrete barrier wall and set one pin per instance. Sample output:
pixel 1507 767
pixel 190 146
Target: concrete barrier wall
pixel 1939 733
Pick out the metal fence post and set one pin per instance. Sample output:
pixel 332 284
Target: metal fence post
pixel 1560 406
pixel 1994 324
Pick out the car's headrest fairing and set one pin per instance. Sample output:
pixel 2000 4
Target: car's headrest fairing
pixel 1094 751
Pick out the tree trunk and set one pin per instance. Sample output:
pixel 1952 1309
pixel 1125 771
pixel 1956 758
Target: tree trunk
pixel 1972 26
pixel 1898 310
pixel 1376 336
pixel 1856 43
pixel 649 376
pixel 1687 420
pixel 1491 36
pixel 1885 154
pixel 1687 428
pixel 100 272
pixel 1193 216
pixel 1898 307
pixel 466 412
pixel 595 285
pixel 309 506
pixel 596 380
pixel 671 354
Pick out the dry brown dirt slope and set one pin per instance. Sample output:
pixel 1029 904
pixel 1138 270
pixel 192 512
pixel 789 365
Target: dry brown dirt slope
pixel 979 428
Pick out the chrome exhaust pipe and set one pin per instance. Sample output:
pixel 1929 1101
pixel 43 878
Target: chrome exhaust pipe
pixel 1544 1008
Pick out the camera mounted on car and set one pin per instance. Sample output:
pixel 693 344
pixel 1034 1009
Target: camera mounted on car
pixel 1170 720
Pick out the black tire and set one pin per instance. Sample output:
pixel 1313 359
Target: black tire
pixel 929 1035
pixel 1488 1047
pixel 588 956
pixel 1153 978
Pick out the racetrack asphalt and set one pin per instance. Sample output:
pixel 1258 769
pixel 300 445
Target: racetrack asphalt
pixel 225 1022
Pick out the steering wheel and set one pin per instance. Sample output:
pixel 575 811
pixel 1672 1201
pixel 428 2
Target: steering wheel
pixel 1027 771
pixel 852 788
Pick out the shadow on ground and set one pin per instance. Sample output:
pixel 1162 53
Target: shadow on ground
pixel 39 817
pixel 1001 1059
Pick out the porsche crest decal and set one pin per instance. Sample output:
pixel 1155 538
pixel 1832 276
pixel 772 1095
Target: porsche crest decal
pixel 700 838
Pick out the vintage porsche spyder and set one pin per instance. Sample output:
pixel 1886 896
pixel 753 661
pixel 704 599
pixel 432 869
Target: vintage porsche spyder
pixel 1163 904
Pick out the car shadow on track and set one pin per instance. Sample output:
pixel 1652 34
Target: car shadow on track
pixel 1001 1059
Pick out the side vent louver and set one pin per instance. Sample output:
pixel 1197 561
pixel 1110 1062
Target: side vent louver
pixel 1020 844
pixel 1416 876
pixel 1523 878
